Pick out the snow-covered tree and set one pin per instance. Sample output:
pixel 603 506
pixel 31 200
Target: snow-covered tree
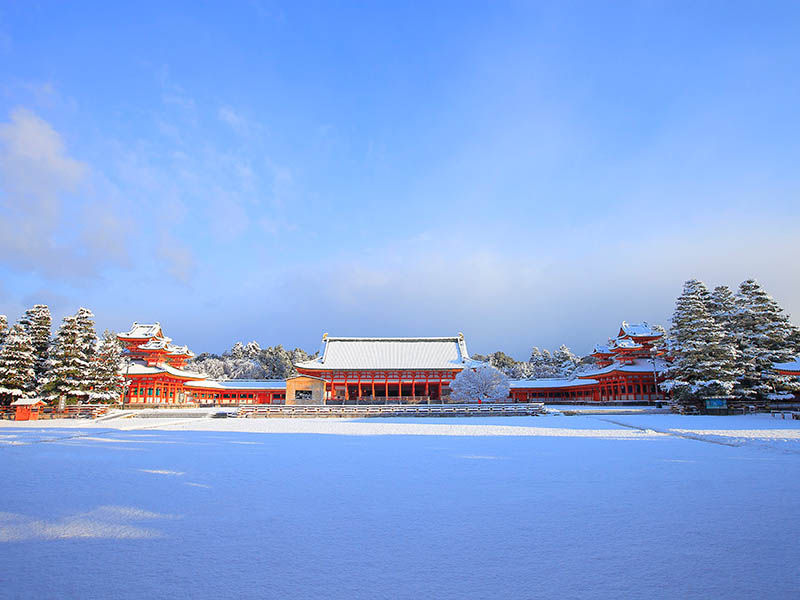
pixel 703 362
pixel 252 350
pixel 87 341
pixel 17 374
pixel 107 381
pixel 482 384
pixel 502 361
pixel 250 361
pixel 37 322
pixel 536 356
pixel 724 311
pixel 237 351
pixel 765 336
pixel 211 365
pixel 68 373
pixel 542 364
pixel 3 328
pixel 565 361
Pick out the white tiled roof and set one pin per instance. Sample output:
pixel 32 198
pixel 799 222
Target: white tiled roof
pixel 233 384
pixel 27 402
pixel 142 331
pixel 140 368
pixel 638 329
pixel 788 366
pixel 179 350
pixel 626 343
pixel 436 353
pixel 639 365
pixel 155 344
pixel 549 383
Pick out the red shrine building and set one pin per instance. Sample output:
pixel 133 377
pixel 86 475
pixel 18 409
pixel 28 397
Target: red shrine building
pixel 380 368
pixel 377 370
pixel 627 369
pixel 789 369
pixel 157 375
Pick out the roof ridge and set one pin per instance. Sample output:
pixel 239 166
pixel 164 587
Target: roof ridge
pixel 450 338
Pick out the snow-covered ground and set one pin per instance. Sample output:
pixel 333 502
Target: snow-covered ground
pixel 589 506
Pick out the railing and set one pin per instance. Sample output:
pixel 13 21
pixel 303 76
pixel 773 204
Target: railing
pixel 390 410
pixel 85 411
pixel 372 400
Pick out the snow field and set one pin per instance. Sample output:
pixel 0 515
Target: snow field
pixel 579 507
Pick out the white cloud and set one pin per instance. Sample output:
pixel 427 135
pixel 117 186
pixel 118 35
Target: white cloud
pixel 43 224
pixel 504 297
pixel 59 218
pixel 237 121
pixel 177 256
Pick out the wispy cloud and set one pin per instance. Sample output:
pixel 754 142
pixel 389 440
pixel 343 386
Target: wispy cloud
pixel 45 228
pixel 178 257
pixel 237 121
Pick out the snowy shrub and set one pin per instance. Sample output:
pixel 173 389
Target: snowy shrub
pixel 483 384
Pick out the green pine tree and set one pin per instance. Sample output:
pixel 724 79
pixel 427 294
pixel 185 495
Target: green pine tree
pixel 724 311
pixel 88 337
pixel 37 322
pixel 764 336
pixel 107 382
pixel 17 375
pixel 3 328
pixel 703 362
pixel 68 369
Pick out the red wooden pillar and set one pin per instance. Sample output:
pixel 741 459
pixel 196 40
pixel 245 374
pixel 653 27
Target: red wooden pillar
pixel 359 385
pixel 346 389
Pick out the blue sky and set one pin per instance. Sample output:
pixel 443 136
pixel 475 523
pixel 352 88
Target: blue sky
pixel 528 174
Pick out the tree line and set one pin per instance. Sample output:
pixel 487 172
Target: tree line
pixel 542 363
pixel 250 361
pixel 74 364
pixel 724 344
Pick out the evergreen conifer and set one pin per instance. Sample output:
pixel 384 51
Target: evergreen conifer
pixel 17 375
pixel 68 370
pixel 765 336
pixel 37 322
pixel 704 363
pixel 3 328
pixel 107 381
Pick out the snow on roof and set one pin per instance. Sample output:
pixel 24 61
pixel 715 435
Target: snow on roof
pixel 639 365
pixel 601 349
pixel 233 384
pixel 347 353
pixel 27 402
pixel 142 331
pixel 179 350
pixel 788 366
pixel 549 383
pixel 155 344
pixel 638 330
pixel 140 368
pixel 626 344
